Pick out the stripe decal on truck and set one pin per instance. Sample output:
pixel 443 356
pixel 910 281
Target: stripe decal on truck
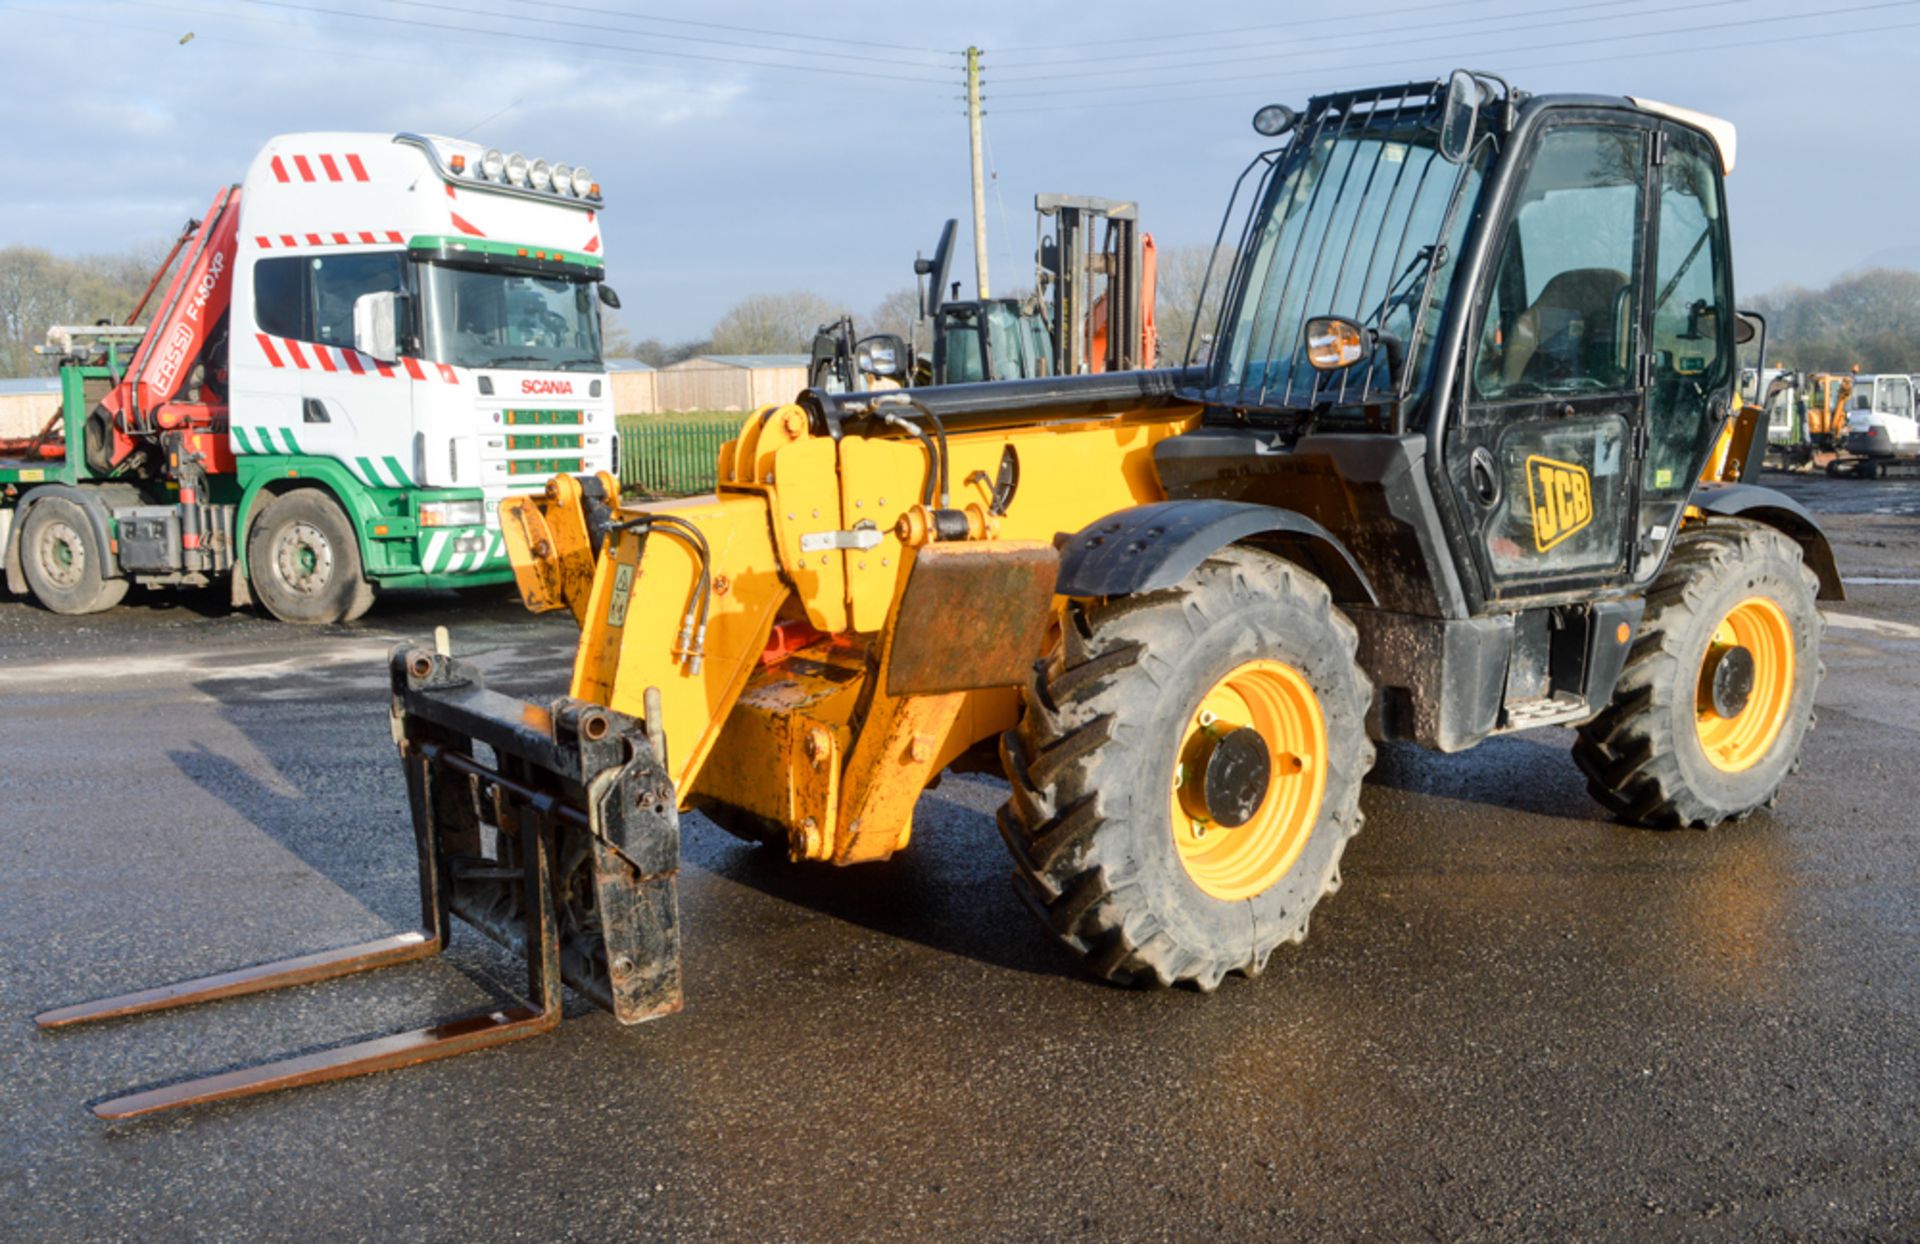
pixel 284 352
pixel 330 168
pixel 355 237
pixel 442 558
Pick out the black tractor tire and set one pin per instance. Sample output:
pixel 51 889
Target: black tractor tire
pixel 303 560
pixel 63 562
pixel 1091 765
pixel 1643 755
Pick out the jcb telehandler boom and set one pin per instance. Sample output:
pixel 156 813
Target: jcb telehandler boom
pixel 1440 479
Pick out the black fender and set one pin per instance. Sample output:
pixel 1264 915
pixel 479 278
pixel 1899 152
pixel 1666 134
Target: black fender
pixel 1152 547
pixel 91 504
pixel 1777 510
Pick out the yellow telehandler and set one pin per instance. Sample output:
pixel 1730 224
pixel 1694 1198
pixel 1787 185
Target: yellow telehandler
pixel 1439 478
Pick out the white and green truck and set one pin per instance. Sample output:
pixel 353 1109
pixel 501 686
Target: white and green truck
pixel 363 347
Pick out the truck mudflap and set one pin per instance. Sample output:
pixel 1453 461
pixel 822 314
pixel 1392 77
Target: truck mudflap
pixel 552 829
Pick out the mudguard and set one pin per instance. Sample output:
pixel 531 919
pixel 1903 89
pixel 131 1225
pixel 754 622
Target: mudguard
pixel 1152 547
pixel 1776 509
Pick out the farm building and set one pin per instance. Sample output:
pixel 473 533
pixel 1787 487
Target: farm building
pixel 730 381
pixel 633 387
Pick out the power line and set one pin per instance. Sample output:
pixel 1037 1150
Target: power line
pixel 1690 50
pixel 1294 44
pixel 1534 47
pixel 651 34
pixel 1230 30
pixel 750 30
pixel 336 51
pixel 524 36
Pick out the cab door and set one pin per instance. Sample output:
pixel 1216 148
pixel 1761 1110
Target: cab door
pixel 1543 458
pixel 1691 353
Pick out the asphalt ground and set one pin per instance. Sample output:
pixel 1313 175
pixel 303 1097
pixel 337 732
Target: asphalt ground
pixel 1515 1020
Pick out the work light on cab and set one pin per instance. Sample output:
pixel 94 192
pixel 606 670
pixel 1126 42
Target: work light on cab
pixel 539 177
pixel 563 179
pixel 516 169
pixel 1274 120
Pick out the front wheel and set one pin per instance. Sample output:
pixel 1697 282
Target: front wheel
pixel 1187 772
pixel 303 561
pixel 63 561
pixel 1717 696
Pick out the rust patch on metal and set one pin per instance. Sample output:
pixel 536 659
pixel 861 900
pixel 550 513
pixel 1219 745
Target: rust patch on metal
pixel 972 616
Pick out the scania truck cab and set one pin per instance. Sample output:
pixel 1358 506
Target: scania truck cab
pixel 365 347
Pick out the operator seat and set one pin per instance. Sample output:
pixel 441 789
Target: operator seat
pixel 1570 330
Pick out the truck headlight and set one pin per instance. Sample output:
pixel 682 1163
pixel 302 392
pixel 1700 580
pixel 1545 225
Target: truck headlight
pixel 563 179
pixel 452 514
pixel 492 164
pixel 539 177
pixel 516 169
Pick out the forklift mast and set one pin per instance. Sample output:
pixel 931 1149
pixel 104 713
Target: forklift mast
pixel 1111 330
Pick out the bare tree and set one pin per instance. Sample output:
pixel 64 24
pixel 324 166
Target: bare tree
pixel 1178 299
pixel 897 313
pixel 39 289
pixel 773 323
pixel 1868 319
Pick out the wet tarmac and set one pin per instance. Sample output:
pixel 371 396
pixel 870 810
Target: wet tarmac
pixel 1515 1020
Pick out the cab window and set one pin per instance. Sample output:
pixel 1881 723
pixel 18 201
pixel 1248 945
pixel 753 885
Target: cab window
pixel 311 297
pixel 1563 312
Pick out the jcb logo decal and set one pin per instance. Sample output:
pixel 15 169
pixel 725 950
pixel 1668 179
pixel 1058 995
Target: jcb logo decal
pixel 1561 495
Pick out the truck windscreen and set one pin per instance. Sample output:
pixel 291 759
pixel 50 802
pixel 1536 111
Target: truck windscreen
pixel 493 318
pixel 1358 217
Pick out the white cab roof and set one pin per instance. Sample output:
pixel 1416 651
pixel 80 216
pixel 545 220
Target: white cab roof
pixel 1717 128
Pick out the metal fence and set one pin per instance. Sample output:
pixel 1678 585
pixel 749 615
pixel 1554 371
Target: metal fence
pixel 673 455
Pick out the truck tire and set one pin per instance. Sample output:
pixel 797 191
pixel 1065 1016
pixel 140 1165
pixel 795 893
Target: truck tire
pixel 63 561
pixel 303 560
pixel 1709 715
pixel 1187 772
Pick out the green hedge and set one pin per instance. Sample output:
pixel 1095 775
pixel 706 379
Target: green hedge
pixel 674 455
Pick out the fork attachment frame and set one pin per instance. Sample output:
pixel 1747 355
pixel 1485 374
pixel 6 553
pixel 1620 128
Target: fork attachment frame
pixel 554 830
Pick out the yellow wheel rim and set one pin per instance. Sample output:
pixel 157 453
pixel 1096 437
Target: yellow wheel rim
pixel 1737 743
pixel 1232 862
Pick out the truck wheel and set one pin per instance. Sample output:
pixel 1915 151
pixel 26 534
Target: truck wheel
pixel 1717 695
pixel 63 561
pixel 1187 772
pixel 304 561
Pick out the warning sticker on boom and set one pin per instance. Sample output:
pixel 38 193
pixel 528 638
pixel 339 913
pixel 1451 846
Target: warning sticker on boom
pixel 1561 497
pixel 622 593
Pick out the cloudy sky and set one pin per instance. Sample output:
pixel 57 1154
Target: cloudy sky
pixel 749 146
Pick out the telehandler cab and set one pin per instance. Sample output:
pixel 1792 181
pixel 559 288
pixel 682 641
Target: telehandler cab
pixel 1440 478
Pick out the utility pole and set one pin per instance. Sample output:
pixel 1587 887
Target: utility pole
pixel 979 181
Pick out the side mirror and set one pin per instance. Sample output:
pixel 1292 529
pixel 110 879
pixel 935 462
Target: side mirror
pixel 1459 116
pixel 1335 343
pixel 608 297
pixel 376 331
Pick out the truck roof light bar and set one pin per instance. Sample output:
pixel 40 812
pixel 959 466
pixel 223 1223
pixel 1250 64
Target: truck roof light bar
pixel 508 174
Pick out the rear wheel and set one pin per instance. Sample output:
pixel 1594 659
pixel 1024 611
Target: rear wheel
pixel 1187 772
pixel 63 561
pixel 1717 696
pixel 303 561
